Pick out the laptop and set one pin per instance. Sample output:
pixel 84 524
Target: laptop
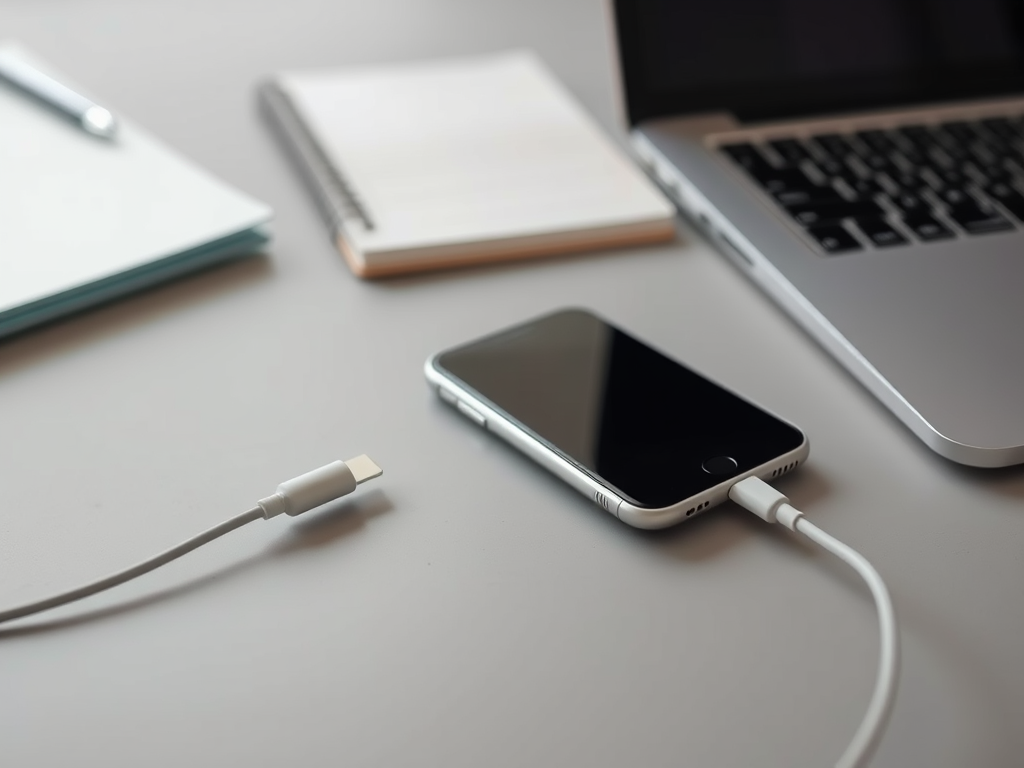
pixel 863 162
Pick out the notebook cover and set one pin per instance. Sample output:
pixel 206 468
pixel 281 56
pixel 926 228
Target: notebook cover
pixel 423 166
pixel 85 219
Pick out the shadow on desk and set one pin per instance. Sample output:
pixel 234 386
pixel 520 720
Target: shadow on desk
pixel 1007 481
pixel 68 332
pixel 334 521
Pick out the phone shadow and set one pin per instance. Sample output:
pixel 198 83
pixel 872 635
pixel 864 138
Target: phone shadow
pixel 114 316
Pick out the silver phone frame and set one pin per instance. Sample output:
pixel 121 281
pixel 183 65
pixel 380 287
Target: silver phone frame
pixel 489 418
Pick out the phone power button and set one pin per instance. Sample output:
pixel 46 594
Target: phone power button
pixel 471 413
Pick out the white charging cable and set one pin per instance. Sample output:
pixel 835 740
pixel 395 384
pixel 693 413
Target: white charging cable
pixel 770 505
pixel 339 478
pixel 298 495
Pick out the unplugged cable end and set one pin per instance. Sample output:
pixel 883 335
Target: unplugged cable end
pixel 363 468
pixel 313 489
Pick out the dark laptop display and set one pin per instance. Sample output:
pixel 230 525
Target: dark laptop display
pixel 766 59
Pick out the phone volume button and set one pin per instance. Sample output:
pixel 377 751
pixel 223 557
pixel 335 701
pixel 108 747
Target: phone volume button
pixel 471 413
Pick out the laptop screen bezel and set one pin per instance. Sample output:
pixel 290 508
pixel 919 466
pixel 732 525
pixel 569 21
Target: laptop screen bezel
pixel 783 100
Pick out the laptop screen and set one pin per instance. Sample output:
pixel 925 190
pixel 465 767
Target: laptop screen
pixel 769 59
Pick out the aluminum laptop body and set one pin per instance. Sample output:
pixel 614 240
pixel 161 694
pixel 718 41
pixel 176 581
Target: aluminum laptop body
pixel 863 162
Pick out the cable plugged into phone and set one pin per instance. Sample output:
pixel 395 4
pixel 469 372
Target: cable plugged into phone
pixel 767 503
pixel 293 497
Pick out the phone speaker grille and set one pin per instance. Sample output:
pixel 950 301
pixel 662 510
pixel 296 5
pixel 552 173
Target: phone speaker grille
pixel 698 508
pixel 783 470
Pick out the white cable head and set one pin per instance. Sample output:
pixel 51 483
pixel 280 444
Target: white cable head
pixel 757 496
pixel 316 488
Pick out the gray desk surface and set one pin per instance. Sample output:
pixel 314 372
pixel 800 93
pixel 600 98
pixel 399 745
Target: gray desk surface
pixel 466 610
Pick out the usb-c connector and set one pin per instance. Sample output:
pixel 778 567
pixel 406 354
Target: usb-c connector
pixel 316 488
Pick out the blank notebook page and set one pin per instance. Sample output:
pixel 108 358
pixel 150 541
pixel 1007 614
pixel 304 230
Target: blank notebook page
pixel 453 152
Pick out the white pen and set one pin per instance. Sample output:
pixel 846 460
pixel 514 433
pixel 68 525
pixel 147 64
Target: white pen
pixel 93 118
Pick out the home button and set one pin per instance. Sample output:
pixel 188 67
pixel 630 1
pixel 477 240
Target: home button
pixel 720 465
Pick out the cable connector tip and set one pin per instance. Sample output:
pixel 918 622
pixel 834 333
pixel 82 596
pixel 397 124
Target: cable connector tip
pixel 313 489
pixel 755 495
pixel 363 468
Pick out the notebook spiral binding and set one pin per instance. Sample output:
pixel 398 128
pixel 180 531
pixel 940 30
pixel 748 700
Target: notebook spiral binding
pixel 334 194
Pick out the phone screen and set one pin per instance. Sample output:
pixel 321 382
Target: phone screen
pixel 638 421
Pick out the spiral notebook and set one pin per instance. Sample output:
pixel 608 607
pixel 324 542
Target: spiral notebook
pixel 428 165
pixel 84 220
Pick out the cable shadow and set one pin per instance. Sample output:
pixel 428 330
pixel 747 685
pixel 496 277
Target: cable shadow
pixel 332 522
pixel 110 317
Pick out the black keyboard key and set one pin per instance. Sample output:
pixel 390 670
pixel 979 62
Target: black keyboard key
pixel 1008 197
pixel 909 182
pixel 994 141
pixel 903 143
pixel 946 180
pixel 862 187
pixel 1001 127
pixel 877 141
pixel 1014 162
pixel 790 150
pixel 907 158
pixel 832 212
pixel 880 232
pixel 813 194
pixel 830 168
pixel 949 150
pixel 990 176
pixel 910 203
pixel 977 221
pixel 961 131
pixel 983 153
pixel 954 197
pixel 777 180
pixel 846 177
pixel 917 135
pixel 926 227
pixel 878 163
pixel 939 158
pixel 833 238
pixel 832 145
pixel 746 155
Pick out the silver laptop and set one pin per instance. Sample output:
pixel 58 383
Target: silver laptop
pixel 863 162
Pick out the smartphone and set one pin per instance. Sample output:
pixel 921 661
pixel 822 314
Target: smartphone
pixel 643 436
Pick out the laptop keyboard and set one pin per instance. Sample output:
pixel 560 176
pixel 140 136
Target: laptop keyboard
pixel 889 188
